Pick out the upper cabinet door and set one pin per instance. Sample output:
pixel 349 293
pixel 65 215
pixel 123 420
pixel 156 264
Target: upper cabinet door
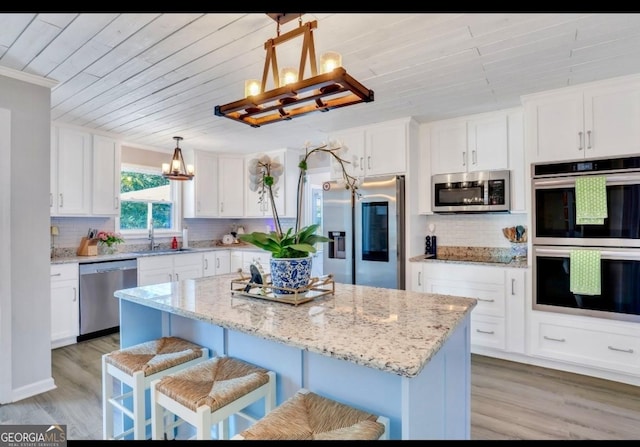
pixel 557 132
pixel 487 144
pixel 612 117
pixel 200 195
pixel 386 149
pixel 106 176
pixel 352 151
pixel 449 147
pixel 231 186
pixel 74 172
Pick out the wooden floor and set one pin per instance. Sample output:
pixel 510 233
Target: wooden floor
pixel 508 400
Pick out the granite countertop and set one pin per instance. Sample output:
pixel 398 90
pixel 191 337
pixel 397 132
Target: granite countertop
pixel 491 256
pixel 71 257
pixel 397 331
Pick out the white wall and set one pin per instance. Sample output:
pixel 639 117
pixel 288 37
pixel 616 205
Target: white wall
pixel 30 360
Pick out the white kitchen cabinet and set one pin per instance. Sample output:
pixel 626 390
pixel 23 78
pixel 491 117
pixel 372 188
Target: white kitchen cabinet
pixel 592 120
pixel 217 189
pixel 167 268
pixel 200 194
pixel 71 172
pixel 469 144
pixel 285 190
pixel 497 321
pixel 231 186
pixel 235 262
pixel 584 341
pixel 64 304
pixel 106 176
pixel 216 262
pixel 380 149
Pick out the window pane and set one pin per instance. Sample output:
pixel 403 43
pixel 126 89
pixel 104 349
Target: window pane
pixel 144 196
pixel 133 215
pixel 162 215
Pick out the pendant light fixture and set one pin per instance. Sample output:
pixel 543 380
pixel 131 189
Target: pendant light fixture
pixel 293 94
pixel 177 170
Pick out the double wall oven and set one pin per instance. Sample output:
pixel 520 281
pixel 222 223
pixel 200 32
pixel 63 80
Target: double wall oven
pixel 556 233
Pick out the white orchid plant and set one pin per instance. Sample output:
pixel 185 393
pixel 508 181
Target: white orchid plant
pixel 263 178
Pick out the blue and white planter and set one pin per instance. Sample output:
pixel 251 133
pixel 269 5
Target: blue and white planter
pixel 292 273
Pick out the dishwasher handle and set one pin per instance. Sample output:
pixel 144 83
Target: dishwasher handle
pixel 115 269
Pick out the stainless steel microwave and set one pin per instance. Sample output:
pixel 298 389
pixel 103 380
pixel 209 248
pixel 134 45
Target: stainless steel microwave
pixel 471 192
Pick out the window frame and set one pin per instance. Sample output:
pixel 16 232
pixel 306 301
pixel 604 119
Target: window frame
pixel 176 199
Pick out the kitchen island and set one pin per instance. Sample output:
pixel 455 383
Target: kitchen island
pixel 397 353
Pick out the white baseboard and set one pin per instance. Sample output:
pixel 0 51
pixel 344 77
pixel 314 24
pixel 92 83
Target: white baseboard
pixel 33 389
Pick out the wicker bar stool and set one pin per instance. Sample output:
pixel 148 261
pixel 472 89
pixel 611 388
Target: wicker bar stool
pixel 137 366
pixel 209 393
pixel 309 416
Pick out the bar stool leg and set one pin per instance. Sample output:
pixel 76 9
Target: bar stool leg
pixel 157 416
pixel 203 428
pixel 140 421
pixel 270 398
pixel 107 388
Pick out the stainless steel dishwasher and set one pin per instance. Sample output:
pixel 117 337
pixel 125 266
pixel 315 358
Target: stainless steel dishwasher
pixel 99 309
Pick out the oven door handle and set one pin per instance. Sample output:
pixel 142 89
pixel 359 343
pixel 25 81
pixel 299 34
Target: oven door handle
pixel 570 181
pixel 605 253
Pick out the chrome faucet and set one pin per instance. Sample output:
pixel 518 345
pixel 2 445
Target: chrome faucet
pixel 152 239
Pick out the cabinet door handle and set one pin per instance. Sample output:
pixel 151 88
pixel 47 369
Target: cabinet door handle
pixel 581 140
pixel 588 139
pixel 464 158
pixel 562 340
pixel 218 263
pixel 116 203
pixel 61 201
pixel 206 264
pixel 177 277
pixel 56 274
pixel 198 206
pixel 75 294
pixel 485 332
pixel 50 200
pixel 630 351
pixel 420 278
pixel 222 207
pixel 369 162
pixel 513 286
pixel 361 163
pixel 474 157
pixel 486 300
pixel 170 277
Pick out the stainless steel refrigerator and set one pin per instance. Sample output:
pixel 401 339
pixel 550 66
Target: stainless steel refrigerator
pixel 367 233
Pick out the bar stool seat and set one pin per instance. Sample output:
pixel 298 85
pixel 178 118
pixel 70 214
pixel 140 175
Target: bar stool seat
pixel 309 416
pixel 209 393
pixel 136 367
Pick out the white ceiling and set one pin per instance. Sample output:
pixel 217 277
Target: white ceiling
pixel 146 77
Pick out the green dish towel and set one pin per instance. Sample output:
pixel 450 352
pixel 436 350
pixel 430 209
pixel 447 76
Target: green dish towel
pixel 584 272
pixel 591 200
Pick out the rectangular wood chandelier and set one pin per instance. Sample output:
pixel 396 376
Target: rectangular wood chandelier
pixel 331 89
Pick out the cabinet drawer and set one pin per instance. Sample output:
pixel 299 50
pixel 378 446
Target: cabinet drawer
pixel 490 296
pixel 63 272
pixel 471 273
pixel 155 262
pixel 488 331
pixel 593 347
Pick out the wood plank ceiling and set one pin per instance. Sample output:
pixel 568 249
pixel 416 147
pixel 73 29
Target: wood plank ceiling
pixel 145 77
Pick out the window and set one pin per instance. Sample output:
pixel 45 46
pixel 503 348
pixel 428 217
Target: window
pixel 145 195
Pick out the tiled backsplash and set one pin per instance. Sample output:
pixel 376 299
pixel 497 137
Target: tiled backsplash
pixel 473 230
